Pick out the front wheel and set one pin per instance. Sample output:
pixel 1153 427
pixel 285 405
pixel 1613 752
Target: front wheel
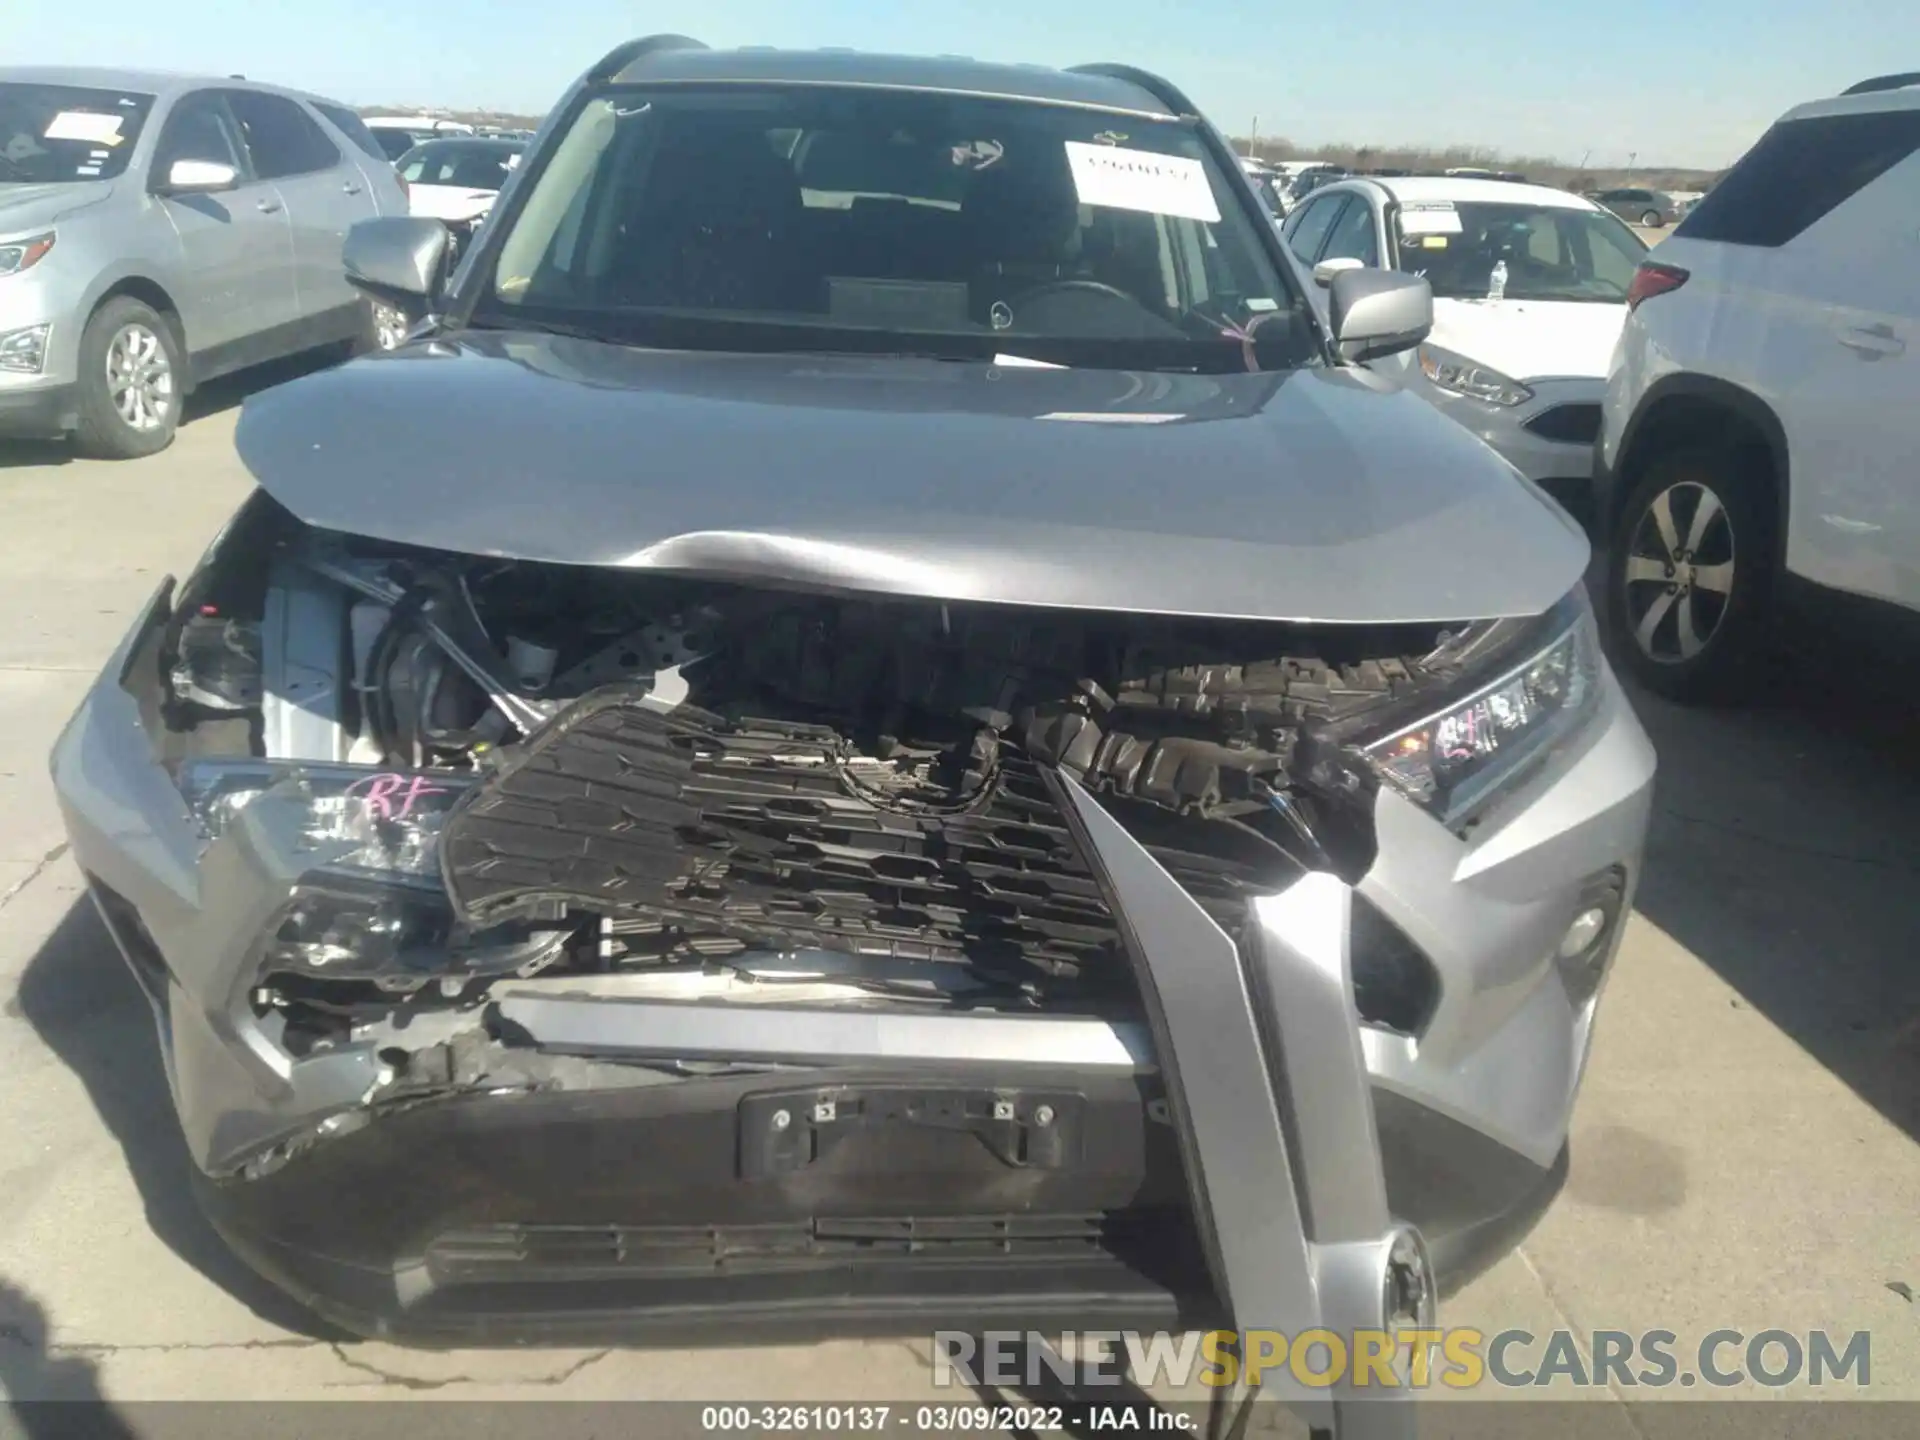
pixel 1652 220
pixel 129 382
pixel 1690 574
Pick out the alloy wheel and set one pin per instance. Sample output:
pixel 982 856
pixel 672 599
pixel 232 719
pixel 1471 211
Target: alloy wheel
pixel 140 378
pixel 1678 573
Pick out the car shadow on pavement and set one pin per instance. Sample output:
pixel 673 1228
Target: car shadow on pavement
pixel 45 1395
pixel 1785 851
pixel 79 997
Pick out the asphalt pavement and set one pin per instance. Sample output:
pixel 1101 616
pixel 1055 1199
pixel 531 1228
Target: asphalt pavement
pixel 1744 1151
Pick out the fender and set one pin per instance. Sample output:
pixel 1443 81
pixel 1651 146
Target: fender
pixel 1735 401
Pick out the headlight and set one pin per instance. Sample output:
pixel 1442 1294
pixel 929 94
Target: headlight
pixel 24 352
pixel 1468 377
pixel 346 817
pixel 18 255
pixel 1452 761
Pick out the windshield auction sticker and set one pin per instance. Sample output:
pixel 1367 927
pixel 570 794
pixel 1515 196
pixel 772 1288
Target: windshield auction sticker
pixel 1429 219
pixel 1125 179
pixel 84 125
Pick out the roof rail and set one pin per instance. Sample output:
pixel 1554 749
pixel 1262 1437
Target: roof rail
pixel 1884 82
pixel 1162 90
pixel 621 56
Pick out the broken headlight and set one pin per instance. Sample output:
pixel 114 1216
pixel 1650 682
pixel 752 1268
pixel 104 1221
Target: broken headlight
pixel 346 817
pixel 1454 760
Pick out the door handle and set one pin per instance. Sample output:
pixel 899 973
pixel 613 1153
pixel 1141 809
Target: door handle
pixel 1872 341
pixel 266 207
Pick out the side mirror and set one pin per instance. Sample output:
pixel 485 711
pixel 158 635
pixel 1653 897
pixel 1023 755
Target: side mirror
pixel 1326 270
pixel 199 177
pixel 398 260
pixel 1378 312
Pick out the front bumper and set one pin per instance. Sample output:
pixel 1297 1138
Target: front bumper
pixel 1293 1141
pixel 42 411
pixel 1561 467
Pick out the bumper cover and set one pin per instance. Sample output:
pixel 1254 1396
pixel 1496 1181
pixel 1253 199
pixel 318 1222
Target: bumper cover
pixel 1301 1147
pixel 44 412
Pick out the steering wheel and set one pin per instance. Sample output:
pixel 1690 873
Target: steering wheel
pixel 1066 287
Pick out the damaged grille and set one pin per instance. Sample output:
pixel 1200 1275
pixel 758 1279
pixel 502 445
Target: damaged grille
pixel 706 837
pixel 544 1252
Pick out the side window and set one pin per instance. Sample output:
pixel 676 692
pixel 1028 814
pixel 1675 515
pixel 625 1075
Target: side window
pixel 1356 236
pixel 280 136
pixel 1311 225
pixel 351 126
pixel 197 128
pixel 1799 172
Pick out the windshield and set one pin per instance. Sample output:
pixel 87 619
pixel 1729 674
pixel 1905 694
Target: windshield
pixel 51 134
pixel 817 218
pixel 1551 252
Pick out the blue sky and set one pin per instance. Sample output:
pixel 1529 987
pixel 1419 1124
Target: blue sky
pixel 1676 81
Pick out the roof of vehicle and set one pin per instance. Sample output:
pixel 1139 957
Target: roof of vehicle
pixel 1414 189
pixel 1885 92
pixel 684 63
pixel 158 83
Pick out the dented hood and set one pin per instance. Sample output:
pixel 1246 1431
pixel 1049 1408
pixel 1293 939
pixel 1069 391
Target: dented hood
pixel 1304 495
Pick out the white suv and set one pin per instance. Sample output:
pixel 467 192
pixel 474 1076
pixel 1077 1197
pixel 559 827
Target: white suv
pixel 1762 415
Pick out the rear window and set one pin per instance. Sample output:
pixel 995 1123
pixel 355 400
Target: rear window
pixel 1799 172
pixel 353 127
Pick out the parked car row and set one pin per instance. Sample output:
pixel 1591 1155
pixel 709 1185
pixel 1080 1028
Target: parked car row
pixel 1732 415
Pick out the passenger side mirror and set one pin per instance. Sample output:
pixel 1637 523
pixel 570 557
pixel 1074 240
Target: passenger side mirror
pixel 199 177
pixel 1326 270
pixel 1378 312
pixel 398 260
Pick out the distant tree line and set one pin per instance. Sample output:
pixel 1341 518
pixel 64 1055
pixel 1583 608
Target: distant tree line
pixel 1539 169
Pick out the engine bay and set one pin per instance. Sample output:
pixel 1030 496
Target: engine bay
pixel 646 786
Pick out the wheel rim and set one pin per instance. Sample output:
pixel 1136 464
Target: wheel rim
pixel 1678 573
pixel 389 327
pixel 140 378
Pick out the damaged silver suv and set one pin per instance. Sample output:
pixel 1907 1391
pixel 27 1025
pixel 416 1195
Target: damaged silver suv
pixel 871 724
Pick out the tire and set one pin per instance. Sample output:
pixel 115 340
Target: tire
pixel 1709 602
pixel 130 384
pixel 1652 220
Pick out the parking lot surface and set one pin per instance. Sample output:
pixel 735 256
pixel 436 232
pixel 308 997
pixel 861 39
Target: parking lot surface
pixel 1744 1153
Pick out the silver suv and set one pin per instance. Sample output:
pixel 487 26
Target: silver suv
pixel 158 230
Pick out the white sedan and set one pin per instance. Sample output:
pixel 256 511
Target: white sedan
pixel 1530 290
pixel 457 179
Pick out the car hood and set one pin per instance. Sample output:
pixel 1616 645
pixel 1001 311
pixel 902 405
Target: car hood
pixel 29 207
pixel 449 202
pixel 1305 495
pixel 1531 339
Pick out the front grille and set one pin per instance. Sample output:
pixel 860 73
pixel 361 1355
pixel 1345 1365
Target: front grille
pixel 1568 424
pixel 703 837
pixel 734 835
pixel 556 1252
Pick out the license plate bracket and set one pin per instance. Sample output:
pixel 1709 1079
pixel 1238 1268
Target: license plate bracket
pixel 784 1131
